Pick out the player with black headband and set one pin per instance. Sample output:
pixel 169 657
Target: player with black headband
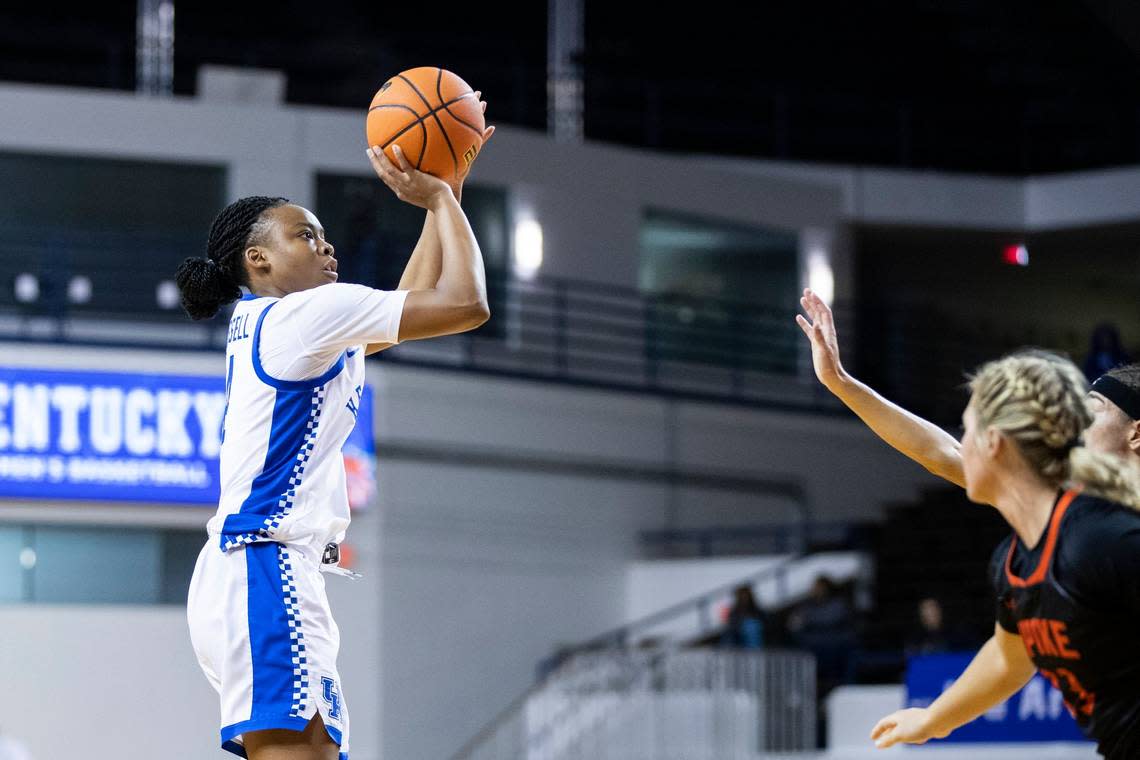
pixel 1058 461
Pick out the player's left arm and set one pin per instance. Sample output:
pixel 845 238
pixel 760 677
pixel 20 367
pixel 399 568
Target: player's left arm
pixel 426 262
pixel 1000 668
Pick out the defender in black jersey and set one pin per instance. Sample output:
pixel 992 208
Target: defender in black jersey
pixel 1074 599
pixel 1068 605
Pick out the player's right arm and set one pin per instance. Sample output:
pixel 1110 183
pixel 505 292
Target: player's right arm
pixel 999 669
pixel 309 329
pixel 919 439
pixel 458 300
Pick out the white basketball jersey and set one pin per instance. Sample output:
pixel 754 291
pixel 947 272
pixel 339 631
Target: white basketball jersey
pixel 294 377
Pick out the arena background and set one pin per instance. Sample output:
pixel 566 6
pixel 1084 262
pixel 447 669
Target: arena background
pixel 553 511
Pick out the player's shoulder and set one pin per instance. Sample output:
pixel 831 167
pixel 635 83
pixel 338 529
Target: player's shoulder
pixel 1099 517
pixel 329 293
pixel 1099 546
pixel 331 299
pixel 1097 529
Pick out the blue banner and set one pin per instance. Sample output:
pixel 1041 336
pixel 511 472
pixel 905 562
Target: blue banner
pixel 1037 713
pixel 108 436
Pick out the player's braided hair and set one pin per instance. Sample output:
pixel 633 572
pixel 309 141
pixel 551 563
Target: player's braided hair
pixel 207 284
pixel 1039 400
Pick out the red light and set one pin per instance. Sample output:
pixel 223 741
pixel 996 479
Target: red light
pixel 1015 255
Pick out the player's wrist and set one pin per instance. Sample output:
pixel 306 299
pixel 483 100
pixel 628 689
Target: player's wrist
pixel 933 725
pixel 839 382
pixel 440 198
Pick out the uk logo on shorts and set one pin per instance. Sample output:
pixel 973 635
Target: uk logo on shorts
pixel 331 694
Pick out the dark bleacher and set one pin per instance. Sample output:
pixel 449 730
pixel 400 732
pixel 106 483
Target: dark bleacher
pixel 937 547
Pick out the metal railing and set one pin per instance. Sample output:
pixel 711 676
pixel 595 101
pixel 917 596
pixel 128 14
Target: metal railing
pixel 517 727
pixel 793 536
pixel 553 329
pixel 559 329
pixel 660 705
pixel 701 604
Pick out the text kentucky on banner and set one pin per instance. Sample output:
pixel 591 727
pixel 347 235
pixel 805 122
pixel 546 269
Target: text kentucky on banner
pixel 106 436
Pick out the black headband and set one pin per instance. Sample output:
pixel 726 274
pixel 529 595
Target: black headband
pixel 1120 394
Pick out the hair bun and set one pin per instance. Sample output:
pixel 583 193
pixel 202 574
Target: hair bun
pixel 204 287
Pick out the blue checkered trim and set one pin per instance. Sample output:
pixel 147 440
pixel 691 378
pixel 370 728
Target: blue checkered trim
pixel 285 504
pixel 296 636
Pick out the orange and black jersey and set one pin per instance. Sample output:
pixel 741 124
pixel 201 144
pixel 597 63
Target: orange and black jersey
pixel 1074 599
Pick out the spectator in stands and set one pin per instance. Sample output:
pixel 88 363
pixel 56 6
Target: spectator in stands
pixel 932 635
pixel 744 628
pixel 824 625
pixel 1105 351
pixel 825 610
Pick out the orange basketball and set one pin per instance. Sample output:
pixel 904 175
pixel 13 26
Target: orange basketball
pixel 433 116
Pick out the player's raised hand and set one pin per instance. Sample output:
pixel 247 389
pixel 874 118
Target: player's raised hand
pixel 910 726
pixel 819 327
pixel 403 179
pixel 457 184
pixel 489 130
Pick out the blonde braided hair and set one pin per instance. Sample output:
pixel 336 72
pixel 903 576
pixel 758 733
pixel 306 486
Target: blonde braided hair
pixel 1039 400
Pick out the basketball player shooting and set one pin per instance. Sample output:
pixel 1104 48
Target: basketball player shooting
pixel 259 618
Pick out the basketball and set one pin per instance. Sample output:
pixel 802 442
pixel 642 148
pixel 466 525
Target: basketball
pixel 435 118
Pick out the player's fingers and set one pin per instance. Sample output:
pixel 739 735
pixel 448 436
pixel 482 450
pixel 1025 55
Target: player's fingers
pixel 382 167
pixel 827 321
pixel 809 306
pixel 824 309
pixel 882 726
pixel 483 105
pixel 380 159
pixel 813 297
pixel 372 159
pixel 401 161
pixel 487 134
pixel 388 173
pixel 392 185
pixel 824 312
pixel 805 326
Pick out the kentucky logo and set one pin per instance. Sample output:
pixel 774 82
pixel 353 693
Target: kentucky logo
pixel 331 695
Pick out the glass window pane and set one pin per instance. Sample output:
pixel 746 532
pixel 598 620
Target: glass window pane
pixel 375 232
pixel 94 251
pixel 722 293
pixel 96 565
pixel 179 553
pixel 11 573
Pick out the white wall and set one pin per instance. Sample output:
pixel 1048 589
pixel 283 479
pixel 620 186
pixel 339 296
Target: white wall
pixel 104 683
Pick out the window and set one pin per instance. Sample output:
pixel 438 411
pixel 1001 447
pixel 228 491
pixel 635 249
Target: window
pixel 66 564
pixel 121 226
pixel 720 293
pixel 375 232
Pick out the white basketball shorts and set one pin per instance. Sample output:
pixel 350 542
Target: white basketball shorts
pixel 265 638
